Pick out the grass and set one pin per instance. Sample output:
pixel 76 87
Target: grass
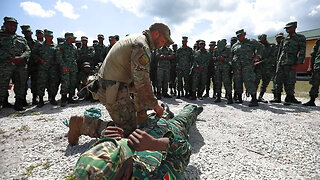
pixel 302 89
pixel 26 138
pixel 32 167
pixel 24 128
pixel 2 131
pixel 13 115
pixel 36 113
pixel 71 176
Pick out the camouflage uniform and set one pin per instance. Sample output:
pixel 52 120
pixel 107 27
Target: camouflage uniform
pixel 264 67
pixel 291 52
pixel 243 66
pixel 13 45
pixel 201 62
pixel 153 70
pixel 222 57
pixel 100 52
pixel 163 70
pixel 67 58
pixel 279 38
pixel 146 164
pixel 184 63
pixel 211 71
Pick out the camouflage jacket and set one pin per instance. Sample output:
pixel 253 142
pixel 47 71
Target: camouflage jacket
pixel 245 51
pixel 85 54
pixel 292 50
pixel 316 53
pixel 184 58
pixel 67 56
pixel 47 52
pixel 12 46
pixel 269 56
pixel 202 59
pixel 223 52
pixel 100 53
pixel 164 63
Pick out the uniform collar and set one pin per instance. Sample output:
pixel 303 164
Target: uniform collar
pixel 147 33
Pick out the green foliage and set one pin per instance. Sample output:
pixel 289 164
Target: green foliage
pixel 71 176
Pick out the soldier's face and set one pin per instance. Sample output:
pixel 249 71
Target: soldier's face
pixel 160 41
pixel 202 46
pixel 112 42
pixel 241 37
pixel 212 47
pixel 48 38
pixel 184 43
pixel 39 36
pixel 11 27
pixel 84 42
pixel 290 29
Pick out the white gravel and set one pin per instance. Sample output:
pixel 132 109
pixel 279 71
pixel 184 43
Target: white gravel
pixel 271 141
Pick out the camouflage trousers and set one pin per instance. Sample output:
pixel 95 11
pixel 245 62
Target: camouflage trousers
pixel 199 81
pixel 33 74
pixel 315 82
pixel 286 77
pixel 68 83
pixel 49 79
pixel 222 75
pixel 116 98
pixel 18 74
pixel 163 76
pixel 243 72
pixel 173 78
pixel 210 78
pixel 183 76
pixel 264 74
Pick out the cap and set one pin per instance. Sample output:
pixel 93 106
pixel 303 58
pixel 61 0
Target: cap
pixel 241 31
pixel 116 37
pixel 164 29
pixel 78 42
pixel 68 35
pixel 111 38
pixel 84 38
pixel 262 37
pixel 86 64
pixel 290 24
pixel 195 45
pixel 279 35
pixel 104 159
pixel 48 32
pixel 25 28
pixel 39 31
pixel 10 19
pixel 60 39
pixel 95 41
pixel 174 45
pixel 202 42
pixel 212 43
pixel 184 38
pixel 100 36
pixel 234 39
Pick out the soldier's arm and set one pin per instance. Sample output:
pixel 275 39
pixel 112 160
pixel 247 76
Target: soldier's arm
pixel 140 70
pixel 59 56
pixel 302 50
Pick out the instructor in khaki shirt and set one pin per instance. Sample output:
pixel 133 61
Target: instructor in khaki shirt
pixel 126 70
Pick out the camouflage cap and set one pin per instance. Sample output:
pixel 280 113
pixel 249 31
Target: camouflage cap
pixel 262 37
pixel 279 35
pixel 164 29
pixel 68 35
pixel 26 28
pixel 234 39
pixel 116 37
pixel 100 36
pixel 212 43
pixel 111 38
pixel 86 65
pixel 103 160
pixel 39 31
pixel 184 38
pixel 48 32
pixel 10 19
pixel 241 31
pixel 290 24
pixel 84 38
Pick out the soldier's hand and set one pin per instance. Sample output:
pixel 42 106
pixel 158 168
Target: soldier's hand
pixel 42 61
pixel 140 140
pixel 113 132
pixel 16 60
pixel 159 110
pixel 256 58
pixel 220 58
pixel 200 69
pixel 65 69
pixel 257 63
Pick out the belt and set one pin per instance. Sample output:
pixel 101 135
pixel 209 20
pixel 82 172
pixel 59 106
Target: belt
pixel 107 83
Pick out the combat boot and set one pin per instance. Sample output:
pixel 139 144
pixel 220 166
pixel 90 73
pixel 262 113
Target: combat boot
pixel 41 103
pixel 70 100
pixel 159 95
pixel 199 110
pixel 53 101
pixel 166 95
pixel 294 100
pixel 63 100
pixel 254 101
pixel 23 102
pixel 260 98
pixel 18 105
pixel 238 98
pixel 276 98
pixel 6 103
pixel 229 98
pixel 207 94
pixel 310 102
pixel 287 100
pixel 218 99
pixel 34 99
pixel 193 96
pixel 167 110
pixel 187 94
pixel 178 97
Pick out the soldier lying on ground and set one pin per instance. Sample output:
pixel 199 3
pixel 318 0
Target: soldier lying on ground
pixel 160 149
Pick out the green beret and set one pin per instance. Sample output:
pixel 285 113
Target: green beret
pixel 48 32
pixel 84 38
pixel 262 37
pixel 116 37
pixel 234 39
pixel 111 38
pixel 184 38
pixel 212 43
pixel 290 24
pixel 68 35
pixel 39 31
pixel 10 19
pixel 100 36
pixel 26 28
pixel 279 35
pixel 104 159
pixel 241 31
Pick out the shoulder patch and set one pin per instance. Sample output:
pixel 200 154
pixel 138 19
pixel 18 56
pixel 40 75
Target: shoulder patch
pixel 144 60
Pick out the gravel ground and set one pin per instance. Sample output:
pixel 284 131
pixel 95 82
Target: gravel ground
pixel 271 141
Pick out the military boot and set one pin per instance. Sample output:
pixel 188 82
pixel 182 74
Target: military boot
pixel 70 100
pixel 24 102
pixel 294 100
pixel 193 96
pixel 207 93
pixel 187 94
pixel 166 95
pixel 310 102
pixel 6 103
pixel 276 98
pixel 18 105
pixel 229 98
pixel 167 110
pixel 238 98
pixel 218 99
pixel 63 100
pixel 159 95
pixel 178 97
pixel 260 98
pixel 34 99
pixel 287 100
pixel 53 100
pixel 254 101
pixel 41 103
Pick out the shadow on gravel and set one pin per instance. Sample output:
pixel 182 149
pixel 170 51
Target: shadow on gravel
pixel 78 149
pixel 195 138
pixel 191 172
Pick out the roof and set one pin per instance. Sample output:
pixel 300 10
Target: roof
pixel 309 34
